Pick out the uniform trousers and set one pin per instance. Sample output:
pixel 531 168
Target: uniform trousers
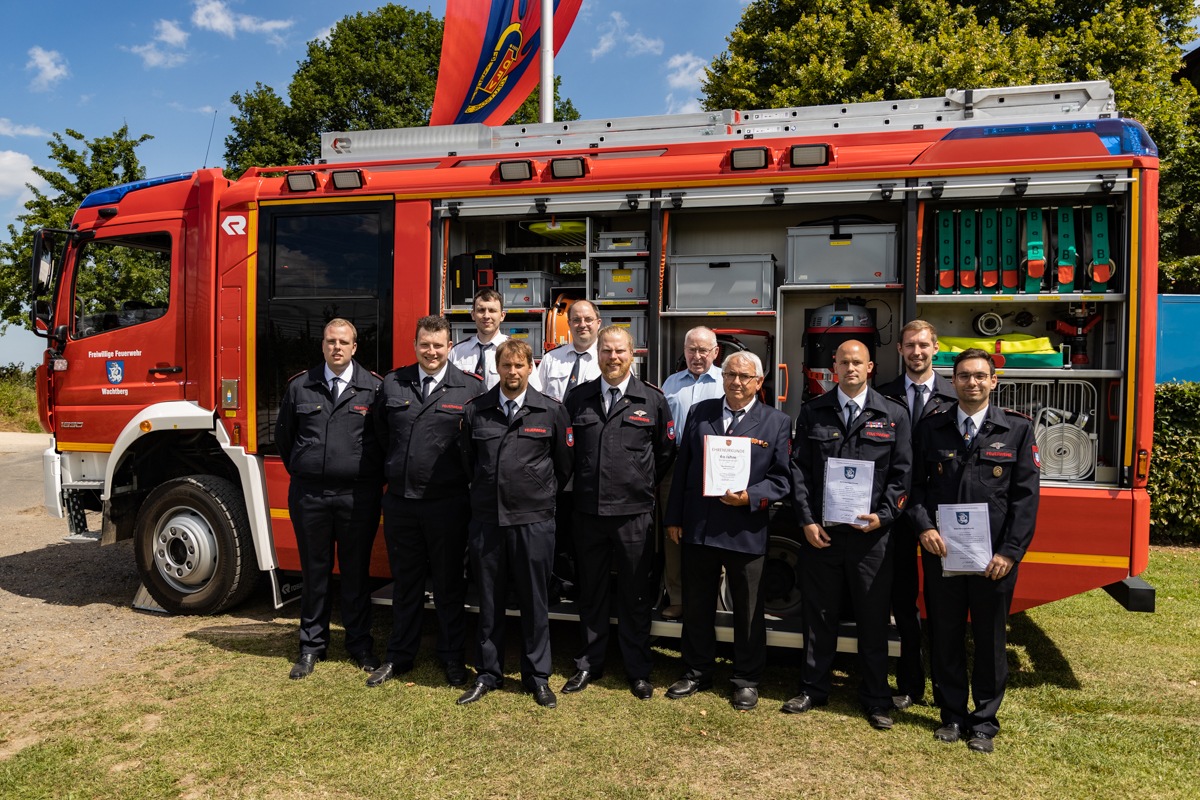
pixel 860 564
pixel 427 539
pixel 948 601
pixel 672 558
pixel 333 523
pixel 522 554
pixel 701 585
pixel 604 544
pixel 906 583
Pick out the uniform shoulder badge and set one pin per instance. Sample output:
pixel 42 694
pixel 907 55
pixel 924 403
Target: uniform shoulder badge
pixel 472 375
pixel 1012 412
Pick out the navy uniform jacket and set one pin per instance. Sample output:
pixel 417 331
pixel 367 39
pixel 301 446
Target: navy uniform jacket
pixel 516 470
pixel 423 460
pixel 943 394
pixel 327 442
pixel 1000 468
pixel 708 521
pixel 880 434
pixel 620 457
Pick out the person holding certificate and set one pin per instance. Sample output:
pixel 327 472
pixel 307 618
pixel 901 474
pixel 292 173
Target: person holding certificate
pixel 851 461
pixel 972 454
pixel 727 527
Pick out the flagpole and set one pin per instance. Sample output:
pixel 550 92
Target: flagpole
pixel 547 87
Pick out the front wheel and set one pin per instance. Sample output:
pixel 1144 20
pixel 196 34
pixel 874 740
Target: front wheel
pixel 193 545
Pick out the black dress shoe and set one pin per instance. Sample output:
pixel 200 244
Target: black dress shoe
pixel 474 693
pixel 305 665
pixel 367 662
pixel 800 704
pixel 744 698
pixel 949 733
pixel 902 701
pixel 686 687
pixel 642 689
pixel 386 671
pixel 879 719
pixel 544 697
pixel 980 743
pixel 456 674
pixel 579 681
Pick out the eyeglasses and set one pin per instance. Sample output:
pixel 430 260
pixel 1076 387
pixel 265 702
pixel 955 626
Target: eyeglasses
pixel 699 351
pixel 584 320
pixel 977 377
pixel 739 377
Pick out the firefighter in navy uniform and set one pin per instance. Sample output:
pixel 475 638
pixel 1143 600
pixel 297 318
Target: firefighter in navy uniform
pixel 427 505
pixel 516 444
pixel 853 422
pixel 624 443
pixel 328 445
pixel 973 452
pixel 924 392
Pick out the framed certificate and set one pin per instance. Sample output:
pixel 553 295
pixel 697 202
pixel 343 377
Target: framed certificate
pixel 726 464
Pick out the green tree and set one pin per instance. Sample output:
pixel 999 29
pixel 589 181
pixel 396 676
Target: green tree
pixel 83 167
pixel 376 70
pixel 812 52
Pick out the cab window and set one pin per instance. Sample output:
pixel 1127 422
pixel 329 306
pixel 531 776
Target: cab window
pixel 121 281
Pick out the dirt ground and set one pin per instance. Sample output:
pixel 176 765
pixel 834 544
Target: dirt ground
pixel 66 617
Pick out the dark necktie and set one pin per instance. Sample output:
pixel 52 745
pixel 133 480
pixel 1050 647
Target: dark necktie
pixel 335 387
pixel 574 379
pixel 614 394
pixel 918 405
pixel 735 419
pixel 968 431
pixel 512 410
pixel 481 364
pixel 851 413
pixel 426 387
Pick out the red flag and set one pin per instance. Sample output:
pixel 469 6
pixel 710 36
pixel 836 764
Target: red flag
pixel 491 57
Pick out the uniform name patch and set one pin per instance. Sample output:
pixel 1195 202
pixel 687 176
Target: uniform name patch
pixel 452 407
pixel 360 409
pixel 999 453
pixel 534 430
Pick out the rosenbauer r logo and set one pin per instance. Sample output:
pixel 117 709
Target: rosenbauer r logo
pixel 234 225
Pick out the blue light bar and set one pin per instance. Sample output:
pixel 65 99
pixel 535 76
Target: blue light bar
pixel 1119 136
pixel 114 194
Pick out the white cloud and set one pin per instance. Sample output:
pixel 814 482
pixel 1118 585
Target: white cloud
pixel 323 34
pixel 10 128
pixel 214 15
pixel 685 71
pixel 48 67
pixel 170 34
pixel 166 50
pixel 205 109
pixel 687 105
pixel 16 170
pixel 616 33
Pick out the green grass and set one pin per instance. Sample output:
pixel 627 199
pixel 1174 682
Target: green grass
pixel 1102 703
pixel 18 400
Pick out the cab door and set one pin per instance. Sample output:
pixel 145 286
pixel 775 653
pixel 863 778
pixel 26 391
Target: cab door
pixel 123 305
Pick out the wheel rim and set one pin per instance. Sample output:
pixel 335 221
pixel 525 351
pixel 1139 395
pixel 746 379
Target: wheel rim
pixel 781 577
pixel 185 550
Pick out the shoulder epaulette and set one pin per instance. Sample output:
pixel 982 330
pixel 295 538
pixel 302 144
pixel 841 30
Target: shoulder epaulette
pixel 471 374
pixel 297 375
pixel 1012 412
pixel 556 347
pixel 895 400
pixel 652 386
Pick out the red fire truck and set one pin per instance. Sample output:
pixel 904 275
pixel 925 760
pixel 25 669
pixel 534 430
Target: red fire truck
pixel 1024 218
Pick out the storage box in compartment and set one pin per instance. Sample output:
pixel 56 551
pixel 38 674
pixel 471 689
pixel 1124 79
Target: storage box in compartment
pixel 632 321
pixel 726 282
pixel 850 254
pixel 629 241
pixel 621 280
pixel 525 289
pixel 528 332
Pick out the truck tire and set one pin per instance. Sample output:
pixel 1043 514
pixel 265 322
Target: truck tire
pixel 193 545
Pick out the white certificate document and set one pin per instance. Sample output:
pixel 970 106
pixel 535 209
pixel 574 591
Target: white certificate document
pixel 726 464
pixel 848 485
pixel 967 532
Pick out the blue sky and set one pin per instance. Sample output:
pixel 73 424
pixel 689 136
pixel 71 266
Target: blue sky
pixel 169 67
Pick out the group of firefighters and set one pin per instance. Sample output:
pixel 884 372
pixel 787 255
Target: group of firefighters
pixel 474 450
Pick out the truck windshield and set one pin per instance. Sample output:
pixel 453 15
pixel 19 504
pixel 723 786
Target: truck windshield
pixel 121 281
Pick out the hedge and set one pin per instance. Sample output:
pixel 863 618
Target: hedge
pixel 1174 483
